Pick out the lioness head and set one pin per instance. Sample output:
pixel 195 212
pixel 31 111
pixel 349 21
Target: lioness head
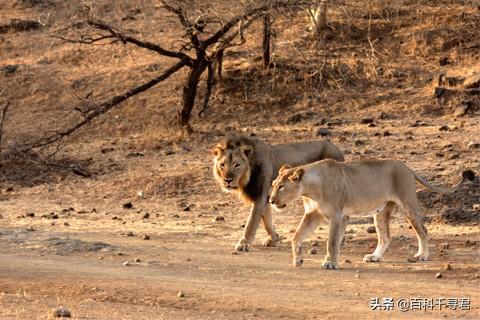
pixel 286 187
pixel 231 166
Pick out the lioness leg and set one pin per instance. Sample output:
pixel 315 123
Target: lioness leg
pixel 335 233
pixel 415 219
pixel 273 237
pixel 382 225
pixel 309 223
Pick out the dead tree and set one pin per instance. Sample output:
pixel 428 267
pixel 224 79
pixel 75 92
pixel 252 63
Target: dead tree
pixel 318 16
pixel 198 54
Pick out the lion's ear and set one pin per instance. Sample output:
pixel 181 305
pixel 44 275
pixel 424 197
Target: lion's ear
pixel 247 150
pixel 284 167
pixel 297 175
pixel 217 151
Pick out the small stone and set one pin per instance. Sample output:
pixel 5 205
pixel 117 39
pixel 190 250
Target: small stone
pixel 30 214
pixel 386 133
pixel 347 261
pixel 61 313
pixel 473 145
pixel 357 276
pixel 234 252
pixel 359 142
pixel 100 258
pixel 314 243
pixel 180 294
pixel 146 237
pixel 10 68
pixel 130 234
pixel 219 219
pixel 438 275
pixel 66 224
pixel 137 260
pixel 146 215
pixel 470 243
pixel 53 215
pixel 126 263
pixel 444 128
pixel 366 120
pixel 313 251
pixel 187 208
pixel 30 229
pixel 127 205
pixel 447 267
pixel 371 229
pixel 323 132
pixel 383 115
pixel 412 260
pixel 175 216
pixel 476 206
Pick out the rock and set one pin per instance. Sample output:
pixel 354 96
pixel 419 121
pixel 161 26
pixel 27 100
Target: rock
pixel 366 120
pixel 383 116
pixel 100 257
pixel 146 237
pixel 372 125
pixel 476 207
pixel 30 229
pixel 127 205
pixel 66 224
pixel 137 260
pixel 187 208
pixel 219 219
pixel 438 275
pixel 234 252
pixel 126 263
pixel 61 313
pixel 412 260
pixel 10 68
pixel 146 215
pixel 53 215
pixel 313 251
pixel 347 261
pixel 301 116
pixel 176 216
pixel 473 145
pixel 443 61
pixel 470 243
pixel 130 234
pixel 444 128
pixel 30 214
pixel 371 229
pixel 357 276
pixel 180 294
pixel 386 133
pixel 447 267
pixel 323 132
pixel 472 82
pixel 315 243
pixel 359 143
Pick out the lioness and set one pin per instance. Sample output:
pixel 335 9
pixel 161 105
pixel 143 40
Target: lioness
pixel 248 166
pixel 336 190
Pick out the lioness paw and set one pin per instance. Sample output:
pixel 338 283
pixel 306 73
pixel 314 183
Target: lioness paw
pixel 421 257
pixel 297 262
pixel 329 265
pixel 371 258
pixel 242 245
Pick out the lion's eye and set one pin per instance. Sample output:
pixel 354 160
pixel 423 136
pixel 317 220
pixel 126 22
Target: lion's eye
pixel 237 165
pixel 222 165
pixel 280 188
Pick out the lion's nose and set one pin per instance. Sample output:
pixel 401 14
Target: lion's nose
pixel 228 180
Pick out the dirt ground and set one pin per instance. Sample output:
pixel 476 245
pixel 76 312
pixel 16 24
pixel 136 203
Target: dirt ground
pixel 125 221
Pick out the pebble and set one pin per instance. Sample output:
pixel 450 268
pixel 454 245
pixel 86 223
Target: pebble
pixel 371 229
pixel 146 215
pixel 447 267
pixel 130 234
pixel 219 218
pixel 146 237
pixel 180 294
pixel 137 260
pixel 438 275
pixel 61 313
pixel 126 263
pixel 127 205
pixel 313 251
pixel 315 243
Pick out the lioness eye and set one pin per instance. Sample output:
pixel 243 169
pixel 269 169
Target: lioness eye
pixel 280 188
pixel 222 165
pixel 237 165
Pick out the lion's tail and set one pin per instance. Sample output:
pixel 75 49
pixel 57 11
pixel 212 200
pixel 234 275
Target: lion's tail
pixel 466 175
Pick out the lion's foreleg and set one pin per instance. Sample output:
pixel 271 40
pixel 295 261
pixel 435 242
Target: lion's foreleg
pixel 251 226
pixel 273 237
pixel 309 223
pixel 335 234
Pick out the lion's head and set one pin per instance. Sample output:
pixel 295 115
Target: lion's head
pixel 286 187
pixel 231 164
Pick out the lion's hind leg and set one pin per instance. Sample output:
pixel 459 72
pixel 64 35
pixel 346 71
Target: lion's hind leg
pixel 413 212
pixel 309 223
pixel 382 225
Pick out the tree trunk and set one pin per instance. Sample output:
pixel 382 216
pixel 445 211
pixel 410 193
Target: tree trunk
pixel 319 16
pixel 266 40
pixel 190 90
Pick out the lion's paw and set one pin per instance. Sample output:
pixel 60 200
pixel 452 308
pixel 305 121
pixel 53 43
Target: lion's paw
pixel 271 241
pixel 329 265
pixel 242 245
pixel 371 258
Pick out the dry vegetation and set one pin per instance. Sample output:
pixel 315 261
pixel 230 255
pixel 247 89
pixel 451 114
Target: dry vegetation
pixel 386 79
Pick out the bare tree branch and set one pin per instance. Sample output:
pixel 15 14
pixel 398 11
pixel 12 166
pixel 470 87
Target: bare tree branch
pixel 2 121
pixel 105 107
pixel 208 92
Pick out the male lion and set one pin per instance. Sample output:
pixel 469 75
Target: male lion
pixel 337 190
pixel 248 166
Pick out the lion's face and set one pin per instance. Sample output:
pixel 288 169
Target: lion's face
pixel 231 166
pixel 286 187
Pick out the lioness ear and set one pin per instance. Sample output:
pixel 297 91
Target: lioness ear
pixel 247 150
pixel 217 151
pixel 284 167
pixel 297 175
